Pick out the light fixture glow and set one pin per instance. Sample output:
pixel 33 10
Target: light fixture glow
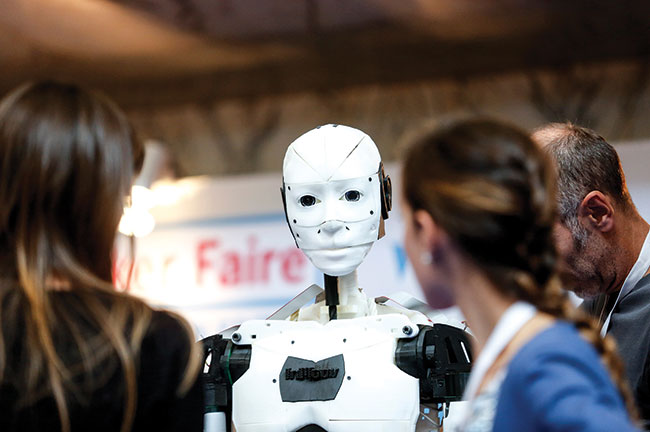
pixel 137 222
pixel 142 197
pixel 136 219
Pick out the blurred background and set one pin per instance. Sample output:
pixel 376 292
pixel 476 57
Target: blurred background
pixel 219 88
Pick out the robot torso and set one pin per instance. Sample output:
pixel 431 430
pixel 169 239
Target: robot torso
pixel 339 377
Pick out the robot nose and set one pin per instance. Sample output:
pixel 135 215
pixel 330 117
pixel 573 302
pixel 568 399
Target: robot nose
pixel 331 226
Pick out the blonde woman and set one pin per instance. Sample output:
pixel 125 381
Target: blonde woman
pixel 76 355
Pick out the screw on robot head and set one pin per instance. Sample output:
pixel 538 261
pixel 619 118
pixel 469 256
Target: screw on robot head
pixel 236 337
pixel 407 330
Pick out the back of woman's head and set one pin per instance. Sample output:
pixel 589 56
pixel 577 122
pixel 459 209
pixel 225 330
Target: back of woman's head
pixel 490 188
pixel 67 157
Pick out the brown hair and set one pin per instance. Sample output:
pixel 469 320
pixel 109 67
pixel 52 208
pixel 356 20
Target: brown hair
pixel 492 190
pixel 68 157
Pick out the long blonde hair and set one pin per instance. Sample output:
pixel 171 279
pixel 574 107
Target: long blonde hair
pixel 493 191
pixel 68 157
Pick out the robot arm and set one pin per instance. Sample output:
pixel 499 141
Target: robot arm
pixel 441 358
pixel 224 363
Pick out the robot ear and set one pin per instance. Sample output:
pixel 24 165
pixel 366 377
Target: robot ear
pixel 386 192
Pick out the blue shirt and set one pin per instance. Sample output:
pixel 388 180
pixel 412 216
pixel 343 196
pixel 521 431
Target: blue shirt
pixel 557 383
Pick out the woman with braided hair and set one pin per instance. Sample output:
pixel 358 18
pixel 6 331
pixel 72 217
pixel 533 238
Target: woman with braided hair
pixel 479 209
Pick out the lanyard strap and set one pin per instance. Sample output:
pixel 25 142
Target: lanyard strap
pixel 636 274
pixel 512 320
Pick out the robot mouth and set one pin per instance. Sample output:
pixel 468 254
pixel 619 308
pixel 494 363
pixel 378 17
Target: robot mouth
pixel 333 248
pixel 335 253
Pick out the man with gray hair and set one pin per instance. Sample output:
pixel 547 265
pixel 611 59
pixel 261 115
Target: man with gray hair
pixel 603 244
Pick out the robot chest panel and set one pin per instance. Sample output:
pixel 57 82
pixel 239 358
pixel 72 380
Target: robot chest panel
pixel 340 378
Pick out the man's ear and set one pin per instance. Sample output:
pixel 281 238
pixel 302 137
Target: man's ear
pixel 597 210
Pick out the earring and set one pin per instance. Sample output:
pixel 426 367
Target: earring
pixel 426 258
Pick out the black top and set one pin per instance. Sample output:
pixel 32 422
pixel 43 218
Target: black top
pixel 163 359
pixel 630 327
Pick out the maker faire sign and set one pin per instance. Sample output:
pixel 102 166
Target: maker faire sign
pixel 217 276
pixel 221 253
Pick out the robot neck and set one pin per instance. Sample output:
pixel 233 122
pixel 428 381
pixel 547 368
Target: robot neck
pixel 349 290
pixel 352 301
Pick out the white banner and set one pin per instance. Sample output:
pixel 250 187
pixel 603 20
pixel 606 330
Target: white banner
pixel 221 252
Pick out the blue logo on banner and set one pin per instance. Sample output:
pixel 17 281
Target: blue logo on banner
pixel 400 255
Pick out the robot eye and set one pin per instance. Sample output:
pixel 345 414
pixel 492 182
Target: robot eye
pixel 308 200
pixel 352 195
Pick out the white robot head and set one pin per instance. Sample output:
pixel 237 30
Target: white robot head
pixel 336 196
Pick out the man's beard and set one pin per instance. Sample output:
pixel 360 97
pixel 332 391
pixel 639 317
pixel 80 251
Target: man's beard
pixel 587 293
pixel 579 234
pixel 584 279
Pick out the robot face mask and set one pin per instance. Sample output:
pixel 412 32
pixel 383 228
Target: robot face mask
pixel 332 196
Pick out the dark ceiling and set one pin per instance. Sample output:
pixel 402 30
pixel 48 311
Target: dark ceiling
pixel 169 51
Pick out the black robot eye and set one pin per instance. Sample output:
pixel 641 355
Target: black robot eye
pixel 307 200
pixel 352 195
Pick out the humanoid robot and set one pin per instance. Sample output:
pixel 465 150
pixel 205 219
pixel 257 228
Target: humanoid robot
pixel 346 362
